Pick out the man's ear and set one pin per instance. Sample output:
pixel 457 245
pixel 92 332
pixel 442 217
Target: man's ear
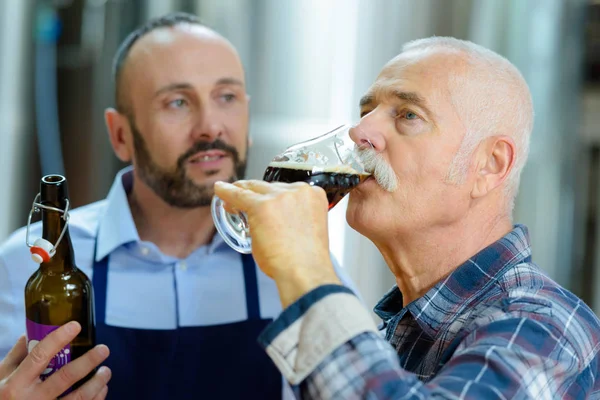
pixel 494 160
pixel 119 134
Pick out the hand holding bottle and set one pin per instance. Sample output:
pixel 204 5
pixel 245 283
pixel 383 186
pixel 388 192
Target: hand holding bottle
pixel 19 371
pixel 57 292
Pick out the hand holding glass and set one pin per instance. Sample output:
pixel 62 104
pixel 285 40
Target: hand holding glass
pixel 330 161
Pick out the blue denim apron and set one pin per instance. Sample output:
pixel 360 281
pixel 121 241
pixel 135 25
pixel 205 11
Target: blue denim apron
pixel 204 362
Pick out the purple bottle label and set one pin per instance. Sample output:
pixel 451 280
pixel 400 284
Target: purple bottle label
pixel 35 333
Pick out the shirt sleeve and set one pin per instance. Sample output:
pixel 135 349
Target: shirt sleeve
pixel 326 345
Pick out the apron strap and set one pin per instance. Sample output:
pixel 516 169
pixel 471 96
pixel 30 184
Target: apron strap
pixel 251 283
pixel 99 278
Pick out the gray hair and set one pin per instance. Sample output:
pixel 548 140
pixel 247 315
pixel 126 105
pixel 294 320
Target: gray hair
pixel 492 98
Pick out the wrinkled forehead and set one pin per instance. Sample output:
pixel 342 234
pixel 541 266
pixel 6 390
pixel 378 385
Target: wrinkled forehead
pixel 414 72
pixel 419 75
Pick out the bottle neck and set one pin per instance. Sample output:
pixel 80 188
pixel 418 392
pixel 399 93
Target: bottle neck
pixel 52 226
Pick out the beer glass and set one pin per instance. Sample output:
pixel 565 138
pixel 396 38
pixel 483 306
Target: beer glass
pixel 330 161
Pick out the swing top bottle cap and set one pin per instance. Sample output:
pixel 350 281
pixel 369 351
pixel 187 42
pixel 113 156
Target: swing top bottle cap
pixel 40 251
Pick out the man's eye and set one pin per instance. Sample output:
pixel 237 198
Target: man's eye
pixel 178 103
pixel 229 97
pixel 410 115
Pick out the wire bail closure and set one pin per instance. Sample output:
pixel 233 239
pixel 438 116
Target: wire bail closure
pixel 42 250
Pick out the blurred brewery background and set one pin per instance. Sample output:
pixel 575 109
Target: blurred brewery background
pixel 307 64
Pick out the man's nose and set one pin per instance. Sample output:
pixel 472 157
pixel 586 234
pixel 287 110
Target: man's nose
pixel 367 133
pixel 209 126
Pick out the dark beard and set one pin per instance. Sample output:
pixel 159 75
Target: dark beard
pixel 174 186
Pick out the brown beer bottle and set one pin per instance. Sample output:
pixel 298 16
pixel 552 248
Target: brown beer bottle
pixel 58 292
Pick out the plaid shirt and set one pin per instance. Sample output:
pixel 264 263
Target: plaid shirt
pixel 496 328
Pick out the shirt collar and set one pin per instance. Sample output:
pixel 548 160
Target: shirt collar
pixel 117 227
pixel 440 305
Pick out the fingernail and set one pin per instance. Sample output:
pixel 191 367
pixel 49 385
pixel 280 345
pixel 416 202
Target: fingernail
pixel 102 350
pixel 72 327
pixel 105 373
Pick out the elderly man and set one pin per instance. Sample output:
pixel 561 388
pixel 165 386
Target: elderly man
pixel 471 316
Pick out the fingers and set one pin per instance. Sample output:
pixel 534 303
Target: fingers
pixel 256 186
pixel 239 195
pixel 234 196
pixel 14 357
pixel 264 187
pixel 35 363
pixel 94 389
pixel 71 373
pixel 244 195
pixel 102 394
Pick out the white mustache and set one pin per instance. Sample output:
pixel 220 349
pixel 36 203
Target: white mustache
pixel 381 170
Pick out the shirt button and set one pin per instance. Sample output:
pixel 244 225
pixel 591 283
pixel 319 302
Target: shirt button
pixel 145 251
pixel 182 266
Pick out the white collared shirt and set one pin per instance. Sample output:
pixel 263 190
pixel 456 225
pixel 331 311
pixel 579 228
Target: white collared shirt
pixel 206 288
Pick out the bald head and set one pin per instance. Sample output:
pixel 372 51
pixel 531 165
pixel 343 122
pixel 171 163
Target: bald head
pixel 162 31
pixel 489 95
